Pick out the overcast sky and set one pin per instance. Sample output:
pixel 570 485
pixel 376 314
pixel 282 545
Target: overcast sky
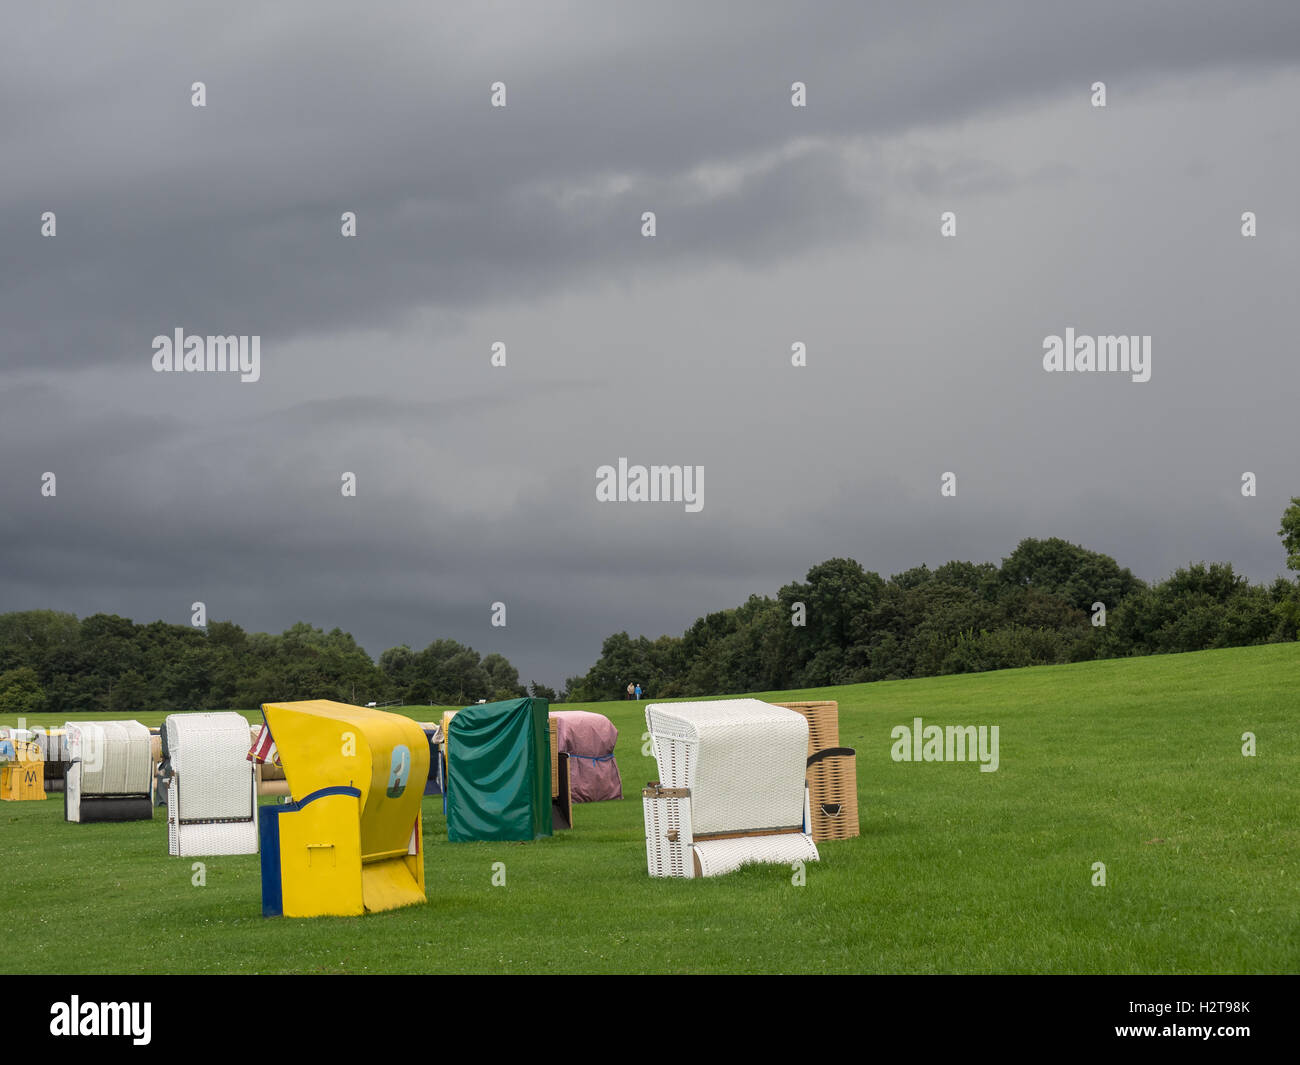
pixel 522 224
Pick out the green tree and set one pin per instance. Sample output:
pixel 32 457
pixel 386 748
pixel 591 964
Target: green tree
pixel 1074 574
pixel 37 638
pixel 1290 533
pixel 502 678
pixel 130 694
pixel 1199 607
pixel 21 692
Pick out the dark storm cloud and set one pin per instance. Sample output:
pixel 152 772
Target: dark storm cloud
pixel 231 213
pixel 523 224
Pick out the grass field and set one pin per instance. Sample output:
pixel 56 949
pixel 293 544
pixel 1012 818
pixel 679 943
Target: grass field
pixel 1136 763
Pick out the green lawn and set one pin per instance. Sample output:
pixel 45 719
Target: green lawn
pixel 1135 763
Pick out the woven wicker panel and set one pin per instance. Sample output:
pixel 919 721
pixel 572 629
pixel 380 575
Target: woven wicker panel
pixel 210 838
pixel 742 759
pixel 833 794
pixel 823 723
pixel 715 857
pixel 209 755
pixel 115 756
pixel 555 758
pixel 667 834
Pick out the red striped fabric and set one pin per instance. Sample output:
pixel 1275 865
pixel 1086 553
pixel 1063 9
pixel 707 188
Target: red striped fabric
pixel 263 749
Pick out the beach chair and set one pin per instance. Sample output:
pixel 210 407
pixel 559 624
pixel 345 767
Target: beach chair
pixel 212 792
pixel 350 841
pixel 731 788
pixel 110 772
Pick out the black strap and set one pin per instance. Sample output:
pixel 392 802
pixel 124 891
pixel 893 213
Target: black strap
pixel 832 752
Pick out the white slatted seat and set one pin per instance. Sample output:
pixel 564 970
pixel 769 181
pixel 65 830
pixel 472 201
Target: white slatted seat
pixel 110 772
pixel 731 788
pixel 212 796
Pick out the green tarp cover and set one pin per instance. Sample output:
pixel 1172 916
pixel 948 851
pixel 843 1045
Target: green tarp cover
pixel 499 771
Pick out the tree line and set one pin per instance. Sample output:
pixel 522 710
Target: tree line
pixel 1048 602
pixel 52 662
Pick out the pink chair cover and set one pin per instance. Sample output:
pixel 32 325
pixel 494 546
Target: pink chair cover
pixel 588 739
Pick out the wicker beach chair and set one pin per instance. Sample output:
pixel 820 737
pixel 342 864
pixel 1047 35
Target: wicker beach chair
pixel 832 772
pixel 823 722
pixel 731 788
pixel 212 795
pixel 110 772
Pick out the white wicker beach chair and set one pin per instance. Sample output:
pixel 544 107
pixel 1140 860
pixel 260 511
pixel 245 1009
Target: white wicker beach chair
pixel 110 772
pixel 731 787
pixel 212 795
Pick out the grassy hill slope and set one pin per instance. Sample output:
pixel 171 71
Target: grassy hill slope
pixel 1136 763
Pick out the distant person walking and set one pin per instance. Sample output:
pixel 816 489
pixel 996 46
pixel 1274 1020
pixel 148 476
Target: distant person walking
pixel 638 691
pixel 629 689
